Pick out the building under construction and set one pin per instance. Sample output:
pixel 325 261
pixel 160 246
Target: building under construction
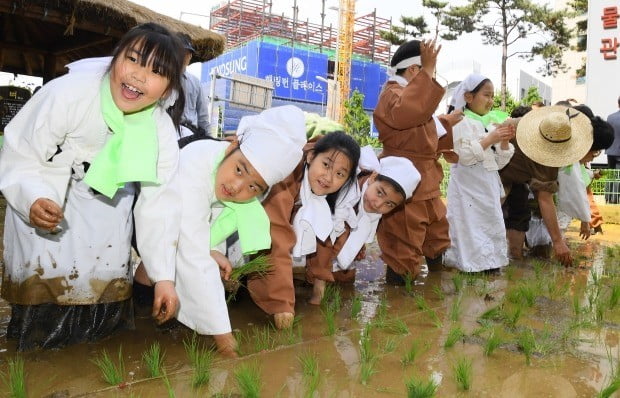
pixel 241 21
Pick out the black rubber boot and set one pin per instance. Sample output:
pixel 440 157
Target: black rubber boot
pixel 434 264
pixel 393 278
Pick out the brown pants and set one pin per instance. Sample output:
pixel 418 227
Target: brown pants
pixel 274 293
pixel 319 263
pixel 596 219
pixel 418 229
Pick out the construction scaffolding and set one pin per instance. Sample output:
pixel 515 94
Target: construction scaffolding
pixel 243 20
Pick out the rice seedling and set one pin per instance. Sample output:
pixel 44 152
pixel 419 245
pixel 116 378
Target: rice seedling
pixel 614 296
pixel 454 334
pixel 439 292
pixel 260 265
pixel 458 280
pixel 202 367
pixel 263 338
pixel 538 266
pixel 509 272
pixel 600 306
pixel 527 294
pixel 15 381
pixel 356 306
pixel 610 389
pixel 455 309
pixel 412 353
pixel 390 345
pixel 417 388
pixel 112 373
pixel 192 347
pixel 168 385
pixel 310 372
pixel 153 360
pixel 421 303
pixel 292 335
pixel 329 314
pixel 577 310
pixel 408 278
pixel 382 309
pixel 332 297
pixel 367 369
pixel 492 343
pixel 463 373
pixel 396 326
pixel 492 314
pixel 248 380
pixel 512 317
pixel 527 343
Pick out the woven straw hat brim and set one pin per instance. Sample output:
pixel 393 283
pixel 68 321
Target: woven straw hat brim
pixel 548 153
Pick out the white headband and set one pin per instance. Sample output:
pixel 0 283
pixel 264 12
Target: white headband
pixel 458 96
pixel 405 63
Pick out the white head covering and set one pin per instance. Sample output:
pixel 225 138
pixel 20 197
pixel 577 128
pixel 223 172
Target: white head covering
pixel 368 160
pixel 470 83
pixel 272 141
pixel 402 171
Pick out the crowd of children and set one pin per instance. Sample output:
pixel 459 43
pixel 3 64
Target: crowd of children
pixel 80 151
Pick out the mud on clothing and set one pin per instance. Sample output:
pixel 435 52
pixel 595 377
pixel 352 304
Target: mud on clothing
pixel 59 276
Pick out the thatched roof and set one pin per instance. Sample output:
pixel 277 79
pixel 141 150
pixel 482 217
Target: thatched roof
pixel 40 36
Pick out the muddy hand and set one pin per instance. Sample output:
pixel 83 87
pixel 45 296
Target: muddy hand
pixel 45 214
pixel 166 301
pixel 584 231
pixel 562 254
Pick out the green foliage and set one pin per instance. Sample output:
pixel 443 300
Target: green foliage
pixel 202 367
pixel 412 27
pixel 463 373
pixel 356 306
pixel 411 354
pixel 437 9
pixel 153 360
pixel 492 343
pixel 15 381
pixel 531 96
pixel 454 335
pixel 510 101
pixel 356 120
pixel 248 380
pixel 310 372
pixel 112 373
pixel 417 388
pixel 507 22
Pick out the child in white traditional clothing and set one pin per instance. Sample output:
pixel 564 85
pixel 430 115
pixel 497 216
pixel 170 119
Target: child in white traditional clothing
pixel 220 183
pixel 67 169
pixel 384 185
pixel 474 191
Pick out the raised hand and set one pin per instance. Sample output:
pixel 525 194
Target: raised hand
pixel 428 52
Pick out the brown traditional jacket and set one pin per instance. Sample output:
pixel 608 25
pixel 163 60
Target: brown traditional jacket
pixel 403 117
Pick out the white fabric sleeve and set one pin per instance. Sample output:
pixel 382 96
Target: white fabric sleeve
pixel 467 143
pixel 30 140
pixel 202 300
pixel 503 156
pixel 158 209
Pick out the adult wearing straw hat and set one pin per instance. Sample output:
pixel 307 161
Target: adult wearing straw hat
pixel 547 139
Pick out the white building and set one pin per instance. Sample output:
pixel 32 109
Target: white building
pixel 526 81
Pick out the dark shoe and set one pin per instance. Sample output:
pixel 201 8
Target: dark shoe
pixel 434 264
pixel 392 278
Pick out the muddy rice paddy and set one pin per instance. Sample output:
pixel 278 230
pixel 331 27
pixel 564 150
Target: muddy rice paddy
pixel 534 330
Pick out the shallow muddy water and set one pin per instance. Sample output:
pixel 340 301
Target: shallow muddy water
pixel 573 331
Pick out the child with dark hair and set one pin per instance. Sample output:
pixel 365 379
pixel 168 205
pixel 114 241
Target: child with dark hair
pixel 475 190
pixel 300 209
pixel 71 159
pixel 384 186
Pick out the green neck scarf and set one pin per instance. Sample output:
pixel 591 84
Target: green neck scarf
pixel 132 151
pixel 249 218
pixel 494 116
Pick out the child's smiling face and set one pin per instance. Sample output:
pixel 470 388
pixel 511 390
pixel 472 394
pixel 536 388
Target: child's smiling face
pixel 482 101
pixel 381 197
pixel 133 86
pixel 328 171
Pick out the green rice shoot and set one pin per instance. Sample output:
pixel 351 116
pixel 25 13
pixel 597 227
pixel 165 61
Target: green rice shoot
pixel 153 360
pixel 15 381
pixel 248 380
pixel 111 373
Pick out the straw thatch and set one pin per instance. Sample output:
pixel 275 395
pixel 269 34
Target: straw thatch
pixel 40 36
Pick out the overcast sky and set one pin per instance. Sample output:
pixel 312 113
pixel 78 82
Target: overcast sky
pixel 456 59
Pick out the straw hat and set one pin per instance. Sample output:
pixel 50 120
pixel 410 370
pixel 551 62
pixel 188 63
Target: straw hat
pixel 554 136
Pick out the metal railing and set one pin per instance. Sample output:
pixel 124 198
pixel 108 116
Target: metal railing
pixel 608 185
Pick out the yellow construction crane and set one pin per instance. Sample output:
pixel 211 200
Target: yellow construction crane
pixel 343 55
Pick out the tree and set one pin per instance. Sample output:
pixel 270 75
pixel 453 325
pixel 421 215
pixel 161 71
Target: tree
pixel 532 96
pixel 437 9
pixel 356 120
pixel 505 22
pixel 398 35
pixel 511 103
